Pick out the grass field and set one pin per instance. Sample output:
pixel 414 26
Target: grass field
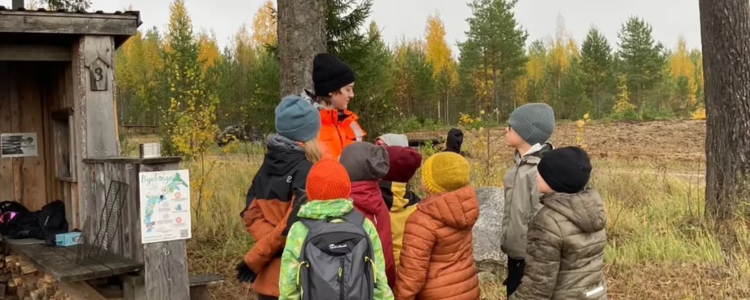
pixel 660 245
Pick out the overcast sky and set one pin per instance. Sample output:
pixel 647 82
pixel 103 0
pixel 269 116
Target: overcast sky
pixel 407 18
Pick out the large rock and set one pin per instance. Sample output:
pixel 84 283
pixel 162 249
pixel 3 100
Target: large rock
pixel 488 231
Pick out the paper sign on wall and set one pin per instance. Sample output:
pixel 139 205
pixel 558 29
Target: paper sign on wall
pixel 18 144
pixel 165 206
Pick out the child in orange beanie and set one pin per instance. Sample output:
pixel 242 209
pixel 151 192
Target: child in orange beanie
pixel 437 259
pixel 332 252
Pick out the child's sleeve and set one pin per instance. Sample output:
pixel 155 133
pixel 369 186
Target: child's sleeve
pixel 542 259
pixel 415 259
pixel 382 290
pixel 288 287
pixel 534 193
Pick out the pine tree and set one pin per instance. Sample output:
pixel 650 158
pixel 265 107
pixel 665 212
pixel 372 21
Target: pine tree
pixel 494 52
pixel 414 81
pixel 363 49
pixel 596 61
pixel 642 60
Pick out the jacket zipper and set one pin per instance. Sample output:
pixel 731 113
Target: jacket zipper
pixel 341 280
pixel 336 124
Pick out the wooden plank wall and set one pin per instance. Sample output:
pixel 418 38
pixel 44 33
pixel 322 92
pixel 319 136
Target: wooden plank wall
pixel 6 165
pixel 22 111
pixel 29 93
pixel 59 97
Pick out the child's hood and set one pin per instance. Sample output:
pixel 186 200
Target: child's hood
pixel 458 209
pixel 397 195
pixel 325 209
pixel 584 209
pixel 534 153
pixel 393 139
pixel 366 196
pixel 364 161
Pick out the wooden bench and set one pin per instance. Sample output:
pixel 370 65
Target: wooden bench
pixel 199 285
pixel 62 264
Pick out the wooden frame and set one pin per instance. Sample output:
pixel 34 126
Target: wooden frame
pixel 31 52
pixel 69 23
pixel 63 132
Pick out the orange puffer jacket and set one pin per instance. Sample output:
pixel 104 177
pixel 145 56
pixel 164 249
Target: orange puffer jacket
pixel 437 259
pixel 338 129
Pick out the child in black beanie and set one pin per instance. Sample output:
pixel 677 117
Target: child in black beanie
pixel 566 238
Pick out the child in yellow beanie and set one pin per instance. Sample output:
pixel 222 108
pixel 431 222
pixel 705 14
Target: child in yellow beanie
pixel 437 259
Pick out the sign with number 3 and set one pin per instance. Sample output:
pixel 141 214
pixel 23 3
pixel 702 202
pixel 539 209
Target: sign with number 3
pixel 98 75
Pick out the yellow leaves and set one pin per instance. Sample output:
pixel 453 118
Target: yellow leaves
pixel 437 50
pixel 699 114
pixel 208 51
pixel 622 103
pixel 264 25
pixel 581 131
pixel 682 68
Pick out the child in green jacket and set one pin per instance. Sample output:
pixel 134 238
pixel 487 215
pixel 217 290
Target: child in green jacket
pixel 328 188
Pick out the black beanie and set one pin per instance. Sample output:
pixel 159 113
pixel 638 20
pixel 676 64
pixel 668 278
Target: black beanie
pixel 330 74
pixel 565 170
pixel 454 141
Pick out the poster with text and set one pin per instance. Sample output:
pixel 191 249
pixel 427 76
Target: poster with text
pixel 18 144
pixel 165 206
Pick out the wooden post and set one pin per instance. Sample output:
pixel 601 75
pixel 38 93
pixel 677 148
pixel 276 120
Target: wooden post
pixel 17 4
pixel 165 273
pixel 93 89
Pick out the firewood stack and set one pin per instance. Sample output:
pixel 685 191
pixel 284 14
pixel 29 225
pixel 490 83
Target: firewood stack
pixel 20 280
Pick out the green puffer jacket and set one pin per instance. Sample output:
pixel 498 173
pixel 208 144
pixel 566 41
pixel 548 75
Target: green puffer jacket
pixel 566 249
pixel 320 210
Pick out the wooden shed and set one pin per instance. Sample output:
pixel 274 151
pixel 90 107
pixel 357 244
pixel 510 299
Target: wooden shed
pixel 57 84
pixel 59 136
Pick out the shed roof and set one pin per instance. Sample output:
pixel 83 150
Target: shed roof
pixel 44 24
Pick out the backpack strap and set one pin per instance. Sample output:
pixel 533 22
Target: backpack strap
pixel 354 217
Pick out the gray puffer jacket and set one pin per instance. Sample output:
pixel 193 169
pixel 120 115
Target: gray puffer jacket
pixel 521 200
pixel 566 249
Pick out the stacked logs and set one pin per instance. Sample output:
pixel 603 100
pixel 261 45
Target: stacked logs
pixel 20 280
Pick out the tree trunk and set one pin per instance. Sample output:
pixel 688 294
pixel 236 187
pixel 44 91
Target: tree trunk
pixel 302 35
pixel 725 32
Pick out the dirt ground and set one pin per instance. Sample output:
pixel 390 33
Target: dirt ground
pixel 682 140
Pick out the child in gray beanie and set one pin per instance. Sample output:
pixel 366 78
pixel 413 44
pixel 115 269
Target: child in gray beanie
pixel 530 127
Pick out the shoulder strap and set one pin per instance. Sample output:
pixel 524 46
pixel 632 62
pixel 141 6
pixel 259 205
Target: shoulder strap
pixel 354 217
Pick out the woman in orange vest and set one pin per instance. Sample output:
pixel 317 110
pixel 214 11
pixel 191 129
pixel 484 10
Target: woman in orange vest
pixel 334 88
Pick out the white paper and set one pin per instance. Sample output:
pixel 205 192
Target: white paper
pixel 18 144
pixel 165 206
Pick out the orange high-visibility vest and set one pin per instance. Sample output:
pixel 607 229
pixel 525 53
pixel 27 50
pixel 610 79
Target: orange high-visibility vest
pixel 335 135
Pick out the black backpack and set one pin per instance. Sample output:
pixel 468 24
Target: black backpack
pixel 51 220
pixel 16 221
